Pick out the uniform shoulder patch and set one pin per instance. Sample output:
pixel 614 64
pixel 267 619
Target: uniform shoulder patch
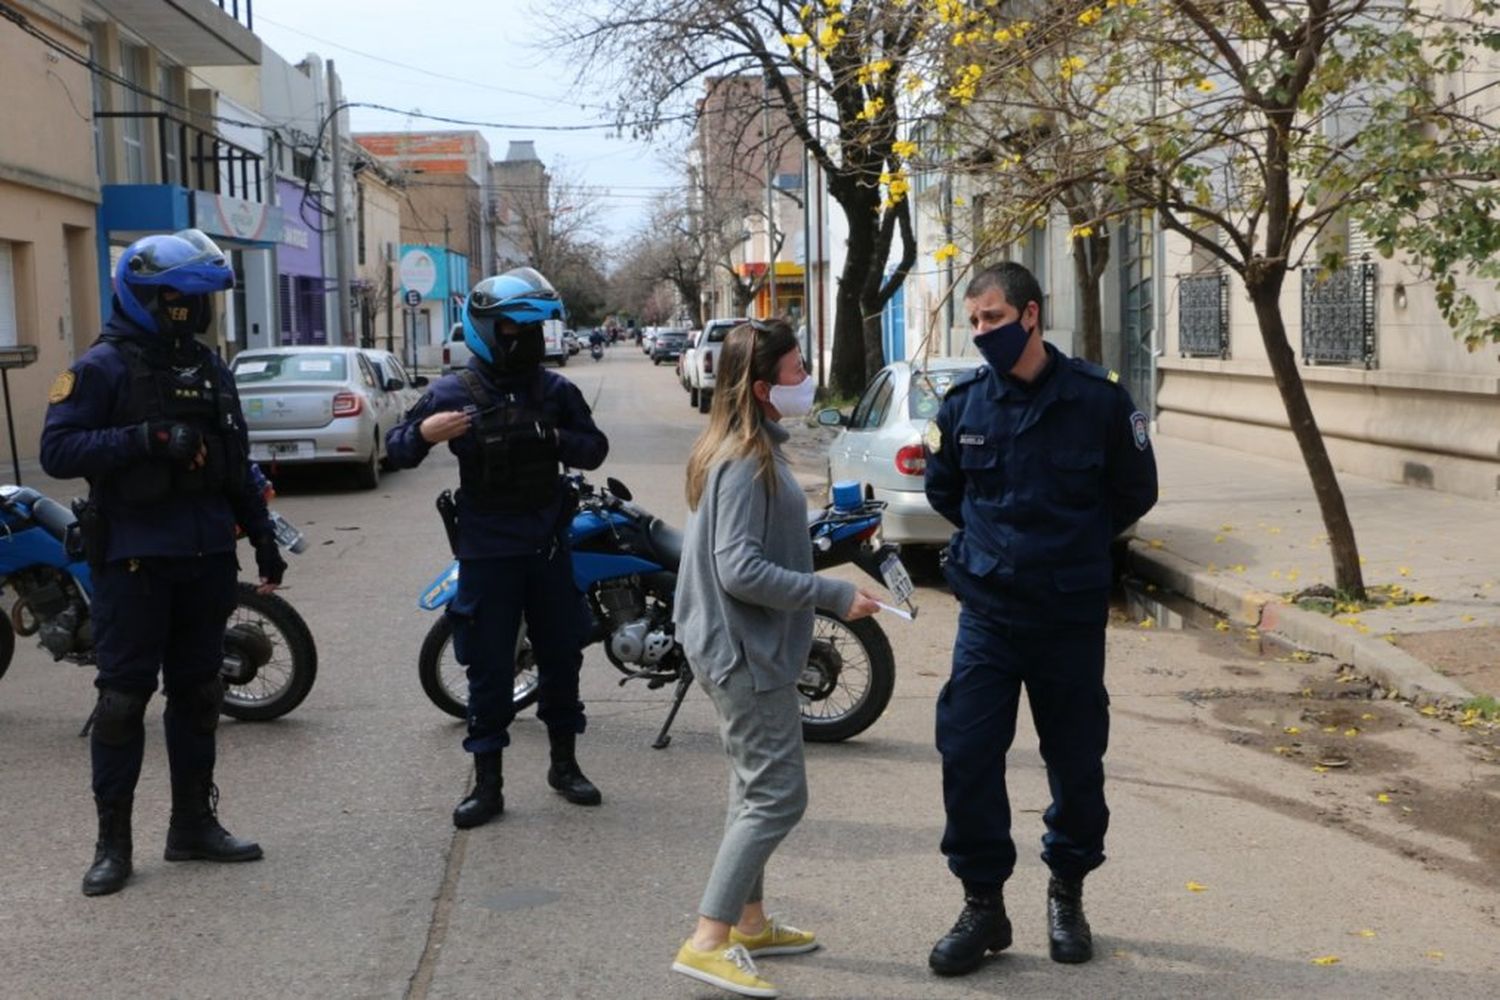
pixel 1097 371
pixel 1139 427
pixel 933 437
pixel 62 387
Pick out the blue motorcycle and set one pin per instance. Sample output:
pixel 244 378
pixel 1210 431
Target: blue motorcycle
pixel 270 661
pixel 625 566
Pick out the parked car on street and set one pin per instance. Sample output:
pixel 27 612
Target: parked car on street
pixel 648 338
pixel 394 376
pixel 311 405
pixel 456 351
pixel 880 445
pixel 686 357
pixel 700 374
pixel 570 338
pixel 668 345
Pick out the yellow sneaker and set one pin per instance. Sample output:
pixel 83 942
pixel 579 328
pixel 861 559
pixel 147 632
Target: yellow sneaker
pixel 776 939
pixel 731 969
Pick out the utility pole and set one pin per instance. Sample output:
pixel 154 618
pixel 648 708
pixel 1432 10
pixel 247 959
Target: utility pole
pixel 340 234
pixel 390 307
pixel 765 129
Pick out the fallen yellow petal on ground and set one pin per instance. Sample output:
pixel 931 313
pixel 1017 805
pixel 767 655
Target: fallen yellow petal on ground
pixel 1383 798
pixel 1326 960
pixel 1196 887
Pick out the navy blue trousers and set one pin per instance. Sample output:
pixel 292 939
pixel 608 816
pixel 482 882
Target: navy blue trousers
pixel 1063 672
pixel 164 615
pixel 493 595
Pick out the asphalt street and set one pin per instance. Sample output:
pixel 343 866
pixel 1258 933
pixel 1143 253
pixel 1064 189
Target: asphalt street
pixel 1240 866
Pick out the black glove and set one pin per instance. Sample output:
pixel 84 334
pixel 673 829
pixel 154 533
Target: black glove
pixel 179 442
pixel 268 561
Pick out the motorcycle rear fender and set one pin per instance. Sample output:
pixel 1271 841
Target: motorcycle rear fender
pixel 441 590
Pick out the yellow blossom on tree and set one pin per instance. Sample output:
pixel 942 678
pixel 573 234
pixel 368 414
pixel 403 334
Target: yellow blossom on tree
pixel 1090 16
pixel 968 83
pixel 1207 86
pixel 945 252
pixel 797 42
pixel 872 107
pixel 1080 232
pixel 1069 66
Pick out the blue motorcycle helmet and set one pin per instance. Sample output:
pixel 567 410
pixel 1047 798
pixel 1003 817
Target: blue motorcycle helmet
pixel 163 282
pixel 523 297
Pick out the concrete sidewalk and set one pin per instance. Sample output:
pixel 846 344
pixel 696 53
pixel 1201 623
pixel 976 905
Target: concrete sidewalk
pixel 1240 534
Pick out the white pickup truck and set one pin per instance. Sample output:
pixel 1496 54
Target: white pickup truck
pixel 698 367
pixel 456 352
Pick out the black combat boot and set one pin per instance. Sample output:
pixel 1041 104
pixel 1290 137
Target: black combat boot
pixel 111 865
pixel 194 834
pixel 1066 924
pixel 485 802
pixel 564 774
pixel 981 927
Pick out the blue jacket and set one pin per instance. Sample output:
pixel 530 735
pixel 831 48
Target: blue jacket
pixel 88 434
pixel 488 534
pixel 1039 480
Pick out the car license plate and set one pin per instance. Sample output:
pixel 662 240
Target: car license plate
pixel 280 449
pixel 897 580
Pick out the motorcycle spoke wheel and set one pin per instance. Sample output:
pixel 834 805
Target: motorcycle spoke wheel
pixel 446 681
pixel 284 679
pixel 848 680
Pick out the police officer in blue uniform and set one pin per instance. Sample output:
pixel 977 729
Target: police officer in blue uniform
pixel 151 418
pixel 512 425
pixel 1040 460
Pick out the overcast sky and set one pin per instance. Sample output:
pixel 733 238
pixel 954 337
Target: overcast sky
pixel 496 68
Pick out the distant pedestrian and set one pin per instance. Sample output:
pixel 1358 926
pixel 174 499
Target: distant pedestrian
pixel 1040 460
pixel 746 599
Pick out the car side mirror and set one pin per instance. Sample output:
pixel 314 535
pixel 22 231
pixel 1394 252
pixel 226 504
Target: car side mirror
pixel 419 382
pixel 832 418
pixel 619 489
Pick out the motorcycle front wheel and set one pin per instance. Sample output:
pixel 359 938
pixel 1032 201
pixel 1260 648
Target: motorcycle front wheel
pixel 446 681
pixel 848 680
pixel 269 645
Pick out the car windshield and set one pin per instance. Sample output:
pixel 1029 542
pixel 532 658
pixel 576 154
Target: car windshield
pixel 261 368
pixel 927 392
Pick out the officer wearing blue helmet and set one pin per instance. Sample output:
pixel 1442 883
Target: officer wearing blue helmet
pixel 151 418
pixel 512 426
pixel 1040 460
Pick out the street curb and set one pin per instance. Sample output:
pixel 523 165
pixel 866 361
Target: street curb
pixel 1243 604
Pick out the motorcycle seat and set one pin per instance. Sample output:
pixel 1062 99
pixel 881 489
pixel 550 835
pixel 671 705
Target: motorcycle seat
pixel 667 541
pixel 52 516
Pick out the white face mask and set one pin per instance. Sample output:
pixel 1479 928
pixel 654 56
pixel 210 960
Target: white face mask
pixel 794 400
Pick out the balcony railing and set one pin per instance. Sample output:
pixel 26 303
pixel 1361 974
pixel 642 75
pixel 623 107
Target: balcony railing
pixel 1338 316
pixel 232 8
pixel 1203 316
pixel 193 158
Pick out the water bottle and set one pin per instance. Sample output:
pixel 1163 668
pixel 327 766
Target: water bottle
pixel 287 535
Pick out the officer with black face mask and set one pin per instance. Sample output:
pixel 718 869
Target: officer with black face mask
pixel 512 426
pixel 151 418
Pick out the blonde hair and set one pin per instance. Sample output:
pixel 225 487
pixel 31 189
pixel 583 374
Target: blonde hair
pixel 751 353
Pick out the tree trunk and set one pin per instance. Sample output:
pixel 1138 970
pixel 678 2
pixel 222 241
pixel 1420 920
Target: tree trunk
pixel 850 348
pixel 1266 296
pixel 1091 298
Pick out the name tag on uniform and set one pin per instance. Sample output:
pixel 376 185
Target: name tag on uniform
pixel 971 439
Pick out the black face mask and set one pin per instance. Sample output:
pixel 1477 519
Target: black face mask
pixel 521 352
pixel 185 316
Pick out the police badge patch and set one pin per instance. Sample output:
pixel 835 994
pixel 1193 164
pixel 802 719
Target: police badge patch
pixel 62 387
pixel 1138 425
pixel 933 437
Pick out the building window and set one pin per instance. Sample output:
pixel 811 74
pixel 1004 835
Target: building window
pixel 133 65
pixel 284 302
pixel 1338 315
pixel 10 328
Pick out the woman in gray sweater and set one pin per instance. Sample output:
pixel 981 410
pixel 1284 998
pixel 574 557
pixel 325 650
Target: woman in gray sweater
pixel 745 603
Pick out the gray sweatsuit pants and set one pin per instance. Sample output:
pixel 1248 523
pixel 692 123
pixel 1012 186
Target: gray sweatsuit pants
pixel 762 734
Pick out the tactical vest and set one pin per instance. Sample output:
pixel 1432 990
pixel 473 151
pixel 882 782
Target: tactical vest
pixel 518 467
pixel 187 391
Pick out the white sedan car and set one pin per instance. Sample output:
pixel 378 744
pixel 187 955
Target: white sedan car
pixel 306 405
pixel 880 445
